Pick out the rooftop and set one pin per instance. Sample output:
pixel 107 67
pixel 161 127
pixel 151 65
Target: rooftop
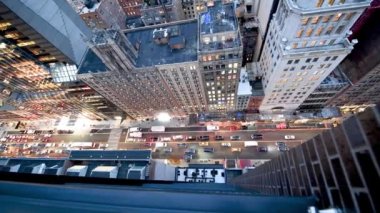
pixel 312 4
pixel 90 10
pixel 151 53
pixel 218 18
pixel 244 86
pixel 91 63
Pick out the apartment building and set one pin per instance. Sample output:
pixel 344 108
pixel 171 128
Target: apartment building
pixel 148 70
pixel 131 8
pixel 32 50
pixel 220 55
pixel 306 41
pixel 103 14
pixel 339 166
pixel 161 11
pixel 192 8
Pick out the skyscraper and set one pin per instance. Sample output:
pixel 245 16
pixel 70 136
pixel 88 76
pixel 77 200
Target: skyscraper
pixel 306 41
pixel 38 39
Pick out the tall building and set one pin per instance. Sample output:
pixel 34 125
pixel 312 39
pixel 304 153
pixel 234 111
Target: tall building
pixel 220 55
pixel 325 92
pixel 339 166
pixel 147 70
pixel 306 41
pixel 362 66
pixel 166 69
pixel 103 14
pixel 192 8
pixel 131 8
pixel 161 11
pixel 35 49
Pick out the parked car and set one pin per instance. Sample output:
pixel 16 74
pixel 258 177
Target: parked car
pixel 244 127
pixel 168 149
pixel 191 138
pixel 290 137
pixel 203 144
pixel 235 137
pixel 208 149
pixel 182 145
pixel 188 157
pixel 177 137
pixel 219 138
pixel 165 139
pixel 226 144
pixel 148 144
pixel 190 151
pixel 262 149
pixel 204 138
pixel 257 136
pixel 235 149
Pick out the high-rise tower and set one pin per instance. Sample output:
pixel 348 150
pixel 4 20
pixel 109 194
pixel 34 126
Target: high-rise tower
pixel 306 41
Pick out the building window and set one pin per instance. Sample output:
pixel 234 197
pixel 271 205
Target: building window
pixel 299 33
pixel 290 61
pixel 315 20
pixel 318 32
pixel 349 16
pixel 326 19
pixel 296 61
pixel 340 29
pixel 327 58
pixel 315 59
pixel 334 58
pixel 308 60
pixel 312 43
pixel 309 32
pixel 304 21
pixel 329 30
pixel 337 17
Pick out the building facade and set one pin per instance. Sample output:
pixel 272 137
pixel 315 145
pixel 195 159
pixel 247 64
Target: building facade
pixel 325 92
pixel 192 8
pixel 161 11
pixel 131 8
pixel 148 70
pixel 220 55
pixel 340 166
pixel 306 41
pixel 33 50
pixel 103 14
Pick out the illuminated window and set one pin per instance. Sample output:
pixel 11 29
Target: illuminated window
pixel 309 32
pixel 26 43
pixel 304 21
pixel 349 16
pixel 326 18
pixel 299 33
pixel 329 30
pixel 319 30
pixel 315 20
pixel 337 17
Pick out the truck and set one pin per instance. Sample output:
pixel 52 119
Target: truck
pixel 212 128
pixel 135 134
pixel 135 129
pixel 250 143
pixel 157 129
pixel 161 144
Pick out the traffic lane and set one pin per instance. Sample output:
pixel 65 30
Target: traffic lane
pixel 80 138
pixel 277 135
pixel 220 152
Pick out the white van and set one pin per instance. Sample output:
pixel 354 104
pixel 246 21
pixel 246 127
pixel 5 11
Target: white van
pixel 135 129
pixel 250 143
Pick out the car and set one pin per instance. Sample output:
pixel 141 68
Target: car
pixel 204 160
pixel 208 149
pixel 235 137
pixel 219 138
pixel 244 127
pixel 182 145
pixel 191 138
pixel 165 139
pixel 282 147
pixel 190 151
pixel 168 149
pixel 257 136
pixel 148 144
pixel 188 157
pixel 204 138
pixel 235 149
pixel 290 137
pixel 226 144
pixel 177 137
pixel 262 149
pixel 203 144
